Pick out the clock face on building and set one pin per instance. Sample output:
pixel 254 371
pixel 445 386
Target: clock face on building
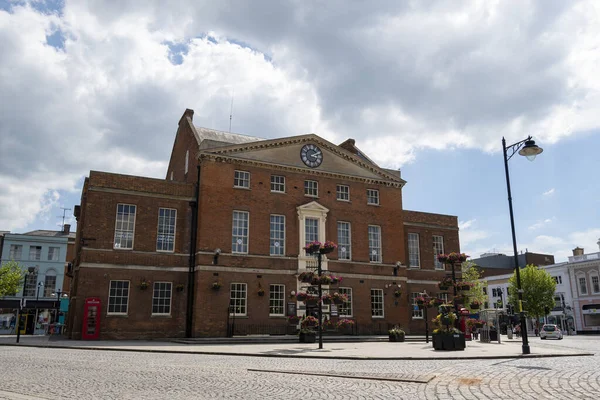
pixel 311 155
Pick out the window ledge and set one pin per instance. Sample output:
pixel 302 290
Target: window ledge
pixel 373 317
pixel 167 316
pixel 373 204
pixel 117 315
pixel 241 187
pixel 277 316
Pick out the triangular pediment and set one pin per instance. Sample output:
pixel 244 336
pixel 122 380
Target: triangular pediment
pixel 313 206
pixel 287 153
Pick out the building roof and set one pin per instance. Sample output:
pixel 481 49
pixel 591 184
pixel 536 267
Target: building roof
pixel 48 233
pixel 209 138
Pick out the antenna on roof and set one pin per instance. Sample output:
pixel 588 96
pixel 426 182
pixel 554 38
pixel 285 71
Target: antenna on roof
pixel 64 214
pixel 230 113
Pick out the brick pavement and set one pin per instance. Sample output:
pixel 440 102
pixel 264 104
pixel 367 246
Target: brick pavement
pixel 47 373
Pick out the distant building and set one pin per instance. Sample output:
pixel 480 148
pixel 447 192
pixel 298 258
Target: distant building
pixel 46 252
pixel 577 293
pixel 489 261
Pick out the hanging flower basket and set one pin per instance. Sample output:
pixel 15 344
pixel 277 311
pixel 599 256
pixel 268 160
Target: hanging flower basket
pixel 478 324
pixel 294 319
pixel 318 247
pixel 144 284
pixel 397 293
pixel 344 324
pixel 261 292
pixel 475 305
pixel 339 298
pixel 336 279
pixel 216 285
pixel 307 298
pixel 445 283
pixel 307 277
pixel 179 287
pixel 436 302
pixel 420 300
pixel 327 298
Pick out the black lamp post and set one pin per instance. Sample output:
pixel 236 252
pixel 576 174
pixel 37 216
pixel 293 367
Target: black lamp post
pixel 30 270
pixel 37 297
pixel 58 294
pixel 529 149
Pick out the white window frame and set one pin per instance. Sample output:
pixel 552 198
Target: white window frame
pixel 53 253
pixel 373 197
pixel 580 286
pixel 309 230
pixel 344 235
pixel 414 250
pixel 345 310
pixel 443 297
pixel 276 299
pixel 277 184
pixel 35 253
pixel 164 223
pixel 129 223
pixel 238 288
pixel 375 250
pixel 108 306
pixel 594 276
pixel 438 248
pixel 16 249
pixel 557 279
pixel 163 289
pixel 31 284
pixel 377 300
pixel 236 247
pixel 417 313
pixel 49 287
pixel 311 188
pixel 241 179
pixel 342 193
pixel 277 235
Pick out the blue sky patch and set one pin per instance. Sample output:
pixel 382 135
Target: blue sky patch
pixel 177 51
pixel 56 39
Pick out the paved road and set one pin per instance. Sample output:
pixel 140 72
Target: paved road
pixel 46 373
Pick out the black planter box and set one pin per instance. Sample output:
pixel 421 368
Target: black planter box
pixel 396 338
pixel 308 337
pixel 448 341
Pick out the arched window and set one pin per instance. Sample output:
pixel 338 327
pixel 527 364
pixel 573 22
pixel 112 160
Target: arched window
pixel 50 283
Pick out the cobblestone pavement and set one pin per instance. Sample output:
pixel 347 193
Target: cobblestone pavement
pixel 46 373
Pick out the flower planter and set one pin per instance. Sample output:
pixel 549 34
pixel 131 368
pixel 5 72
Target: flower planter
pixel 338 301
pixel 311 302
pixel 464 287
pixel 312 249
pixel 448 341
pixel 293 320
pixel 396 338
pixel 261 293
pixel 307 337
pixel 474 306
pixel 327 301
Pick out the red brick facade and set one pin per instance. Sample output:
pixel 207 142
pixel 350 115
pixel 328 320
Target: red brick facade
pixel 97 262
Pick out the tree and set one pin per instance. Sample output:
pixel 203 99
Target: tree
pixel 538 290
pixel 472 274
pixel 11 277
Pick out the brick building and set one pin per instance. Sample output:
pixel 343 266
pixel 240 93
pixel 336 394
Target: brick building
pixel 219 241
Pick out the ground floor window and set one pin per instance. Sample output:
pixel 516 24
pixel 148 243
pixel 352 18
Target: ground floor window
pixel 590 320
pixel 377 303
pixel 161 298
pixel 276 300
pixel 416 312
pixel 118 297
pixel 238 299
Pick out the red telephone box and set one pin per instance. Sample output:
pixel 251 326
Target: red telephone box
pixel 91 319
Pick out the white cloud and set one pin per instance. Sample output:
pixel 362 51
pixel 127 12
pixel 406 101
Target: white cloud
pixel 398 77
pixel 540 224
pixel 469 236
pixel 548 192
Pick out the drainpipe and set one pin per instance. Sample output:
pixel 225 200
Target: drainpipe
pixel 192 263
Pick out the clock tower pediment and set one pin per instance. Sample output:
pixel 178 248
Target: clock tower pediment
pixel 309 152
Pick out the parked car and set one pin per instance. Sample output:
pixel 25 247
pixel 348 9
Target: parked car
pixel 551 331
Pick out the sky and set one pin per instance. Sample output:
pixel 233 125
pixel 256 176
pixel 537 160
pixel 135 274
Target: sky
pixel 427 87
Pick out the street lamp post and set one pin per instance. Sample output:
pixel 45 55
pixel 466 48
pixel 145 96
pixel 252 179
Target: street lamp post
pixel 529 149
pixel 37 297
pixel 30 270
pixel 58 294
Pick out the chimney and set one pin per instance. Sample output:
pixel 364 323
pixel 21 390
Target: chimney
pixel 577 251
pixel 67 229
